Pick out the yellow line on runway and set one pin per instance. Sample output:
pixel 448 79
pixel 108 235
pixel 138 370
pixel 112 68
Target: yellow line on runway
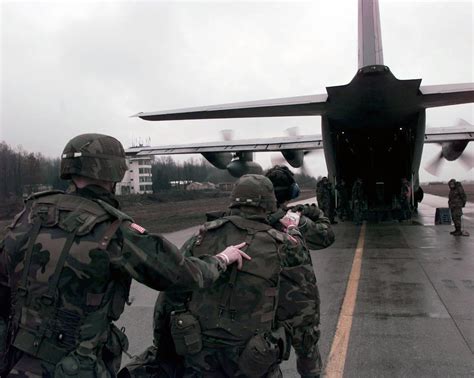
pixel 337 356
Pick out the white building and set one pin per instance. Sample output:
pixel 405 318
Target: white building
pixel 138 178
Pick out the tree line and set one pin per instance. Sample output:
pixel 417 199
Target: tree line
pixel 23 172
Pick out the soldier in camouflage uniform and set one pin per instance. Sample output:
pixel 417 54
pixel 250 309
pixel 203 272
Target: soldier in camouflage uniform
pixel 358 201
pixel 229 314
pixel 405 199
pixel 299 303
pixel 66 266
pixel 457 200
pixel 344 207
pixel 325 197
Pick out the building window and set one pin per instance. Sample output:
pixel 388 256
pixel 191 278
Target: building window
pixel 145 178
pixel 144 170
pixel 146 188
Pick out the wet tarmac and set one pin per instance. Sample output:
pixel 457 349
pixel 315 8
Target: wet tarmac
pixel 413 311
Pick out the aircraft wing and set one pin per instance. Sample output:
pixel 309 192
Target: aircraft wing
pixel 280 107
pixel 443 95
pixel 303 142
pixel 449 134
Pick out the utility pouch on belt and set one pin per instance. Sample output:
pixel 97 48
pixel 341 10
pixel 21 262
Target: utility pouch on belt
pixel 186 333
pixel 258 356
pixel 75 366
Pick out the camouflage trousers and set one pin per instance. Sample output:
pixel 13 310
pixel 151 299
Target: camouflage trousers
pixel 456 214
pixel 357 209
pixel 305 342
pixel 219 363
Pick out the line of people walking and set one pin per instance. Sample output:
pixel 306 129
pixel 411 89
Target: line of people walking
pixel 233 300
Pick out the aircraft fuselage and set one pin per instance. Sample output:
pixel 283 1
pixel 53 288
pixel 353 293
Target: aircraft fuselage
pixel 373 128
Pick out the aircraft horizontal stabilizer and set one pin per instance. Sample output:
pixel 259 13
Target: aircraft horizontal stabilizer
pixel 280 107
pixel 444 95
pixel 306 143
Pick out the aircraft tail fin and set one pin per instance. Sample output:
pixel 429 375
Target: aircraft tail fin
pixel 370 36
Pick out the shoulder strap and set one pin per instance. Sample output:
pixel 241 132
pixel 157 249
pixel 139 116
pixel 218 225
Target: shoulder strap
pixel 42 194
pixel 248 224
pixel 22 290
pixel 226 299
pixel 113 211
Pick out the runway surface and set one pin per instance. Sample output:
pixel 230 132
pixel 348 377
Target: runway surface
pixel 402 304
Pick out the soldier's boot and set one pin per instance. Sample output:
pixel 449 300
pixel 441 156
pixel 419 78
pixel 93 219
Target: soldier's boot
pixel 453 232
pixel 457 231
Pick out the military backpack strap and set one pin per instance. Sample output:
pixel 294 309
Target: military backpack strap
pixel 228 291
pixel 226 300
pixel 29 252
pixel 108 234
pixel 53 281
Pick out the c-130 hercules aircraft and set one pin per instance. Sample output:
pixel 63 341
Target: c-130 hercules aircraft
pixel 372 128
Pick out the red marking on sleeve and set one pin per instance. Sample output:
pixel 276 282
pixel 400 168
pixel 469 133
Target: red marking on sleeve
pixel 138 228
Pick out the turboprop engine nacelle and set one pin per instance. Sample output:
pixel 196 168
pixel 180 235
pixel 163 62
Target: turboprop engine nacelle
pixel 453 150
pixel 294 157
pixel 218 159
pixel 238 168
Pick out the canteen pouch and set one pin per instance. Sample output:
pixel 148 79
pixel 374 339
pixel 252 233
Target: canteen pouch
pixel 258 356
pixel 186 333
pixel 76 366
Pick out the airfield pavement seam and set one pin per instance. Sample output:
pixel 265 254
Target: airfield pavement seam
pixel 444 304
pixel 338 353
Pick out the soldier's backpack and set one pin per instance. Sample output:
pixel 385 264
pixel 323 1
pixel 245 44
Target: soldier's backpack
pixel 242 302
pixel 44 326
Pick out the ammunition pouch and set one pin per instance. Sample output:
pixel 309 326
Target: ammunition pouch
pixel 45 350
pixel 186 333
pixel 258 356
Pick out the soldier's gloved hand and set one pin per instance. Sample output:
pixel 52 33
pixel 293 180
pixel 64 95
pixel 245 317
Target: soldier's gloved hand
pixel 291 219
pixel 312 211
pixel 233 254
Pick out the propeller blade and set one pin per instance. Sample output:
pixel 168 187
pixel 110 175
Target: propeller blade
pixel 277 159
pixel 227 134
pixel 435 164
pixel 293 131
pixel 466 160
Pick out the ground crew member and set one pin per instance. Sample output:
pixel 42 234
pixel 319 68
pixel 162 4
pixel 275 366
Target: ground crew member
pixel 66 266
pixel 216 329
pixel 344 207
pixel 457 200
pixel 405 198
pixel 325 197
pixel 299 303
pixel 358 201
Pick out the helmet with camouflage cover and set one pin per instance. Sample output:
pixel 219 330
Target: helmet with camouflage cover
pixel 97 156
pixel 254 190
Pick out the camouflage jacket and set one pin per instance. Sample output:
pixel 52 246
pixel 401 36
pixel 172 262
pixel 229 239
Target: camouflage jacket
pixel 457 196
pixel 298 304
pixel 81 253
pixel 358 194
pixel 314 225
pixel 325 196
pixel 292 253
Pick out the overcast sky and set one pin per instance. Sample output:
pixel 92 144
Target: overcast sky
pixel 74 67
